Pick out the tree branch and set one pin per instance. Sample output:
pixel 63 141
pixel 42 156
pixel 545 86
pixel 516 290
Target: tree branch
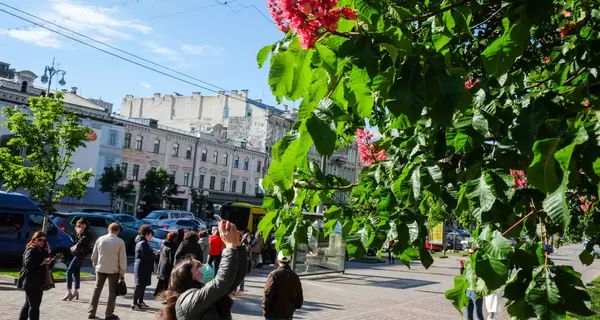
pixel 313 187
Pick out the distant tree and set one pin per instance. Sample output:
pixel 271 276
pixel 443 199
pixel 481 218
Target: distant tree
pixel 157 186
pixel 111 182
pixel 50 134
pixel 199 199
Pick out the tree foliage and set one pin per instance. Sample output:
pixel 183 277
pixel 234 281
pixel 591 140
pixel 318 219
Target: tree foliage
pixel 465 94
pixel 157 186
pixel 111 182
pixel 199 199
pixel 48 135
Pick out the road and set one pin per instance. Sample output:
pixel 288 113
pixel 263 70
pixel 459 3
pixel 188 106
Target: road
pixel 366 291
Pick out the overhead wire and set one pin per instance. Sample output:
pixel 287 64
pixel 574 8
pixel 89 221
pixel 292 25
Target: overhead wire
pixel 244 7
pixel 116 55
pixel 114 48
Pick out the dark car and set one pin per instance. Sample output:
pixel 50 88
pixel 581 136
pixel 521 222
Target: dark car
pixel 20 218
pixel 98 226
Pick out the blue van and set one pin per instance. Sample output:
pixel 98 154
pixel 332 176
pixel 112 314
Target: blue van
pixel 20 218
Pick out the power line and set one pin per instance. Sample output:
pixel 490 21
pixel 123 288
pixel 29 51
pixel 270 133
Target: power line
pixel 180 12
pixel 114 54
pixel 114 48
pixel 227 4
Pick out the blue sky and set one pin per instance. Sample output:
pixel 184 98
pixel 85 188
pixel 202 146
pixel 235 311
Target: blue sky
pixel 215 43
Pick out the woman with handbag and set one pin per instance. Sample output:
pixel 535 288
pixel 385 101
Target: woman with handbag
pixel 35 276
pixel 79 251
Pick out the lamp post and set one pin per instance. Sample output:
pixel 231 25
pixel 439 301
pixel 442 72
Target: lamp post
pixel 49 73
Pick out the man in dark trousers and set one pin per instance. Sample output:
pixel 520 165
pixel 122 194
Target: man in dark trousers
pixel 283 291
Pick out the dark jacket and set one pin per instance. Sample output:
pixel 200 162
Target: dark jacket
pixel 226 303
pixel 201 304
pixel 189 248
pixel 33 272
pixel 83 244
pixel 283 294
pixel 144 262
pixel 166 260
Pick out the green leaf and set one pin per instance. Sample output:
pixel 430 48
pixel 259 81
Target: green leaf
pixel 425 257
pixel 458 294
pixel 327 58
pixel 492 258
pixel 586 257
pixel 499 56
pixel 542 170
pixel 302 75
pixel 263 54
pixel 543 293
pixel 407 188
pixel 267 223
pixel 369 9
pixel 481 198
pixel 281 74
pixel 322 129
pixel 359 80
pixel 555 206
pixel 480 123
pixel 407 93
pixel 329 226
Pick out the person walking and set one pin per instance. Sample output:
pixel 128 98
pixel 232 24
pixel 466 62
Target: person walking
pixel 216 248
pixel 143 266
pixel 79 251
pixel 257 250
pixel 283 291
pixel 189 247
pixel 248 257
pixel 475 304
pixel 109 258
pixel 33 275
pixel 204 245
pixel 195 292
pixel 390 253
pixel 165 263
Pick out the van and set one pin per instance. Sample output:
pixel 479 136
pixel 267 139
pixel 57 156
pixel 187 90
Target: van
pixel 20 218
pixel 155 216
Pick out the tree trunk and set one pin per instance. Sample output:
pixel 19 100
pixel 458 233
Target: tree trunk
pixel 46 224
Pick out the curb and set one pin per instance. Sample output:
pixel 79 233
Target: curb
pixel 14 280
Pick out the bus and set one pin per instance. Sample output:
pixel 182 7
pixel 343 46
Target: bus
pixel 243 215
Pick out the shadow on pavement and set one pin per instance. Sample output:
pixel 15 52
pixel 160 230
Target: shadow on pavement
pixel 375 281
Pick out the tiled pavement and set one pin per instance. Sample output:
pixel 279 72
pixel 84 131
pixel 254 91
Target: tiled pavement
pixel 366 291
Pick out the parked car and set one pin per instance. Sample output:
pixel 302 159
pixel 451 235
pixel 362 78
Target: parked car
pixel 180 223
pixel 20 218
pixel 98 226
pixel 91 210
pixel 127 220
pixel 155 216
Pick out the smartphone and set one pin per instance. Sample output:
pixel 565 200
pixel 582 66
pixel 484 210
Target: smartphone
pixel 218 217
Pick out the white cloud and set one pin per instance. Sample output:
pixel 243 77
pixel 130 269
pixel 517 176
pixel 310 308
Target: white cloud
pixel 39 37
pixel 145 84
pixel 197 50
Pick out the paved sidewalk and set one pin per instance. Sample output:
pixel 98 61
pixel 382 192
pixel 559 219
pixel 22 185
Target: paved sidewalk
pixel 366 291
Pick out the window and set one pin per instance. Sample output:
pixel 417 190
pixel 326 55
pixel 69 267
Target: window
pixel 11 223
pixel 156 146
pixel 222 184
pixel 201 183
pixel 188 152
pixel 226 112
pixel 244 187
pixel 203 158
pixel 124 169
pixel 36 222
pixel 258 165
pixel 236 162
pixel 138 142
pixel 112 138
pixel 95 221
pixel 225 157
pixel 211 186
pixel 215 158
pixel 175 150
pixel 127 141
pixel 256 190
pixel 24 86
pixel 246 161
pixel 153 169
pixel 109 162
pixel 248 111
pixel 173 173
pixel 136 172
pixel 186 179
pixel 233 185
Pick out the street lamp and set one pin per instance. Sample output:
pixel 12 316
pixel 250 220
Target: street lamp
pixel 49 73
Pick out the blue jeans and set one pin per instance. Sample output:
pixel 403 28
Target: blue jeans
pixel 475 304
pixel 73 273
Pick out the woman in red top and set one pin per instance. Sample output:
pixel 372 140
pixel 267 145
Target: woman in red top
pixel 216 247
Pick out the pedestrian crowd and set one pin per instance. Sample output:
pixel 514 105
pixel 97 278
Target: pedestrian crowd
pixel 197 274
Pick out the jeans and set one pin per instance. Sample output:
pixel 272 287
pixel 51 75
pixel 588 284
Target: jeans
pixel 33 300
pixel 113 281
pixel 73 273
pixel 214 261
pixel 390 257
pixel 138 294
pixel 475 304
pixel 242 285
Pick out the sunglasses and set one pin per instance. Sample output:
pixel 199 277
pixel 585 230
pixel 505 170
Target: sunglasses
pixel 41 240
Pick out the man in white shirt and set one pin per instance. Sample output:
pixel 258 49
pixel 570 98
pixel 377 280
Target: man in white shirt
pixel 109 258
